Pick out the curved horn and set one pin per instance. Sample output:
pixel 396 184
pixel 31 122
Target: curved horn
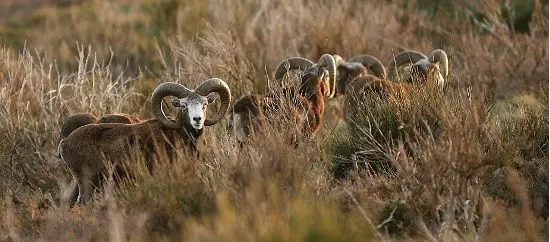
pixel 402 58
pixel 328 61
pixel 439 56
pixel 164 90
pixel 372 63
pixel 218 86
pixel 291 63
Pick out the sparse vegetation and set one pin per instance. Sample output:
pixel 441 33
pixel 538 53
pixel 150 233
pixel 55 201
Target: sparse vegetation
pixel 468 163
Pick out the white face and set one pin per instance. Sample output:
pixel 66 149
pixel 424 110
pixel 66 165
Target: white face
pixel 195 107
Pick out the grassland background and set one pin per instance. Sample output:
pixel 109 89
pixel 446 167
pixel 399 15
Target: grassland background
pixel 59 58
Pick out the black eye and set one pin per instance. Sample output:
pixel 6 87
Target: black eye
pixel 182 105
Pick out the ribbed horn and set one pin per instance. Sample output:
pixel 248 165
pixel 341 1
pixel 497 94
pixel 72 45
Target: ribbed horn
pixel 218 86
pixel 372 63
pixel 328 61
pixel 402 58
pixel 164 90
pixel 291 63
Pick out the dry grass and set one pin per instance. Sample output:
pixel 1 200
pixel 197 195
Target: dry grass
pixel 467 164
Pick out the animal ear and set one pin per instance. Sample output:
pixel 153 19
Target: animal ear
pixel 212 97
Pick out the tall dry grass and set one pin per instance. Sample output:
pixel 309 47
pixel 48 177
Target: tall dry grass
pixel 466 164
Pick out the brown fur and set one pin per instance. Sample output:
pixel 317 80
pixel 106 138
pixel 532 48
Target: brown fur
pixel 346 75
pixel 364 85
pixel 78 120
pixel 113 141
pixel 384 88
pixel 371 85
pixel 119 118
pixel 74 122
pixel 314 102
pixel 418 75
pixel 356 66
pixel 310 98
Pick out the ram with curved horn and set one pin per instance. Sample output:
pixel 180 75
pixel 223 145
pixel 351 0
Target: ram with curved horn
pixel 314 75
pixel 413 66
pixel 365 75
pixel 317 81
pixel 416 67
pixel 156 137
pixel 354 67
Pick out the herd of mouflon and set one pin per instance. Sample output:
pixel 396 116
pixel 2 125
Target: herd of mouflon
pixel 83 135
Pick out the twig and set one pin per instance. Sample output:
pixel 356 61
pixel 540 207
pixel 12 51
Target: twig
pixel 387 220
pixel 375 231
